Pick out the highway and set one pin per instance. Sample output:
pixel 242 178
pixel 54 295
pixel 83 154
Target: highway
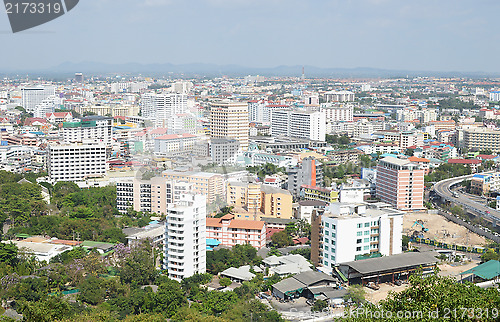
pixel 442 188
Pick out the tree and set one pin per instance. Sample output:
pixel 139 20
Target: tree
pixel 355 293
pixel 281 239
pixel 8 254
pixel 319 306
pixel 48 310
pixel 433 297
pixel 139 266
pixel 92 290
pixel 224 282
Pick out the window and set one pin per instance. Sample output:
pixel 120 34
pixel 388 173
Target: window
pixel 367 240
pixel 327 225
pixel 326 247
pixel 326 255
pixel 333 242
pixel 358 248
pixel 367 224
pixel 360 225
pixel 326 240
pixel 358 241
pixel 359 233
pixel 366 248
pixel 325 262
pixel 326 232
pixel 367 232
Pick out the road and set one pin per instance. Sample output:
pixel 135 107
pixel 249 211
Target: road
pixel 442 188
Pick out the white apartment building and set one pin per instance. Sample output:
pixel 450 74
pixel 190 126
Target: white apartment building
pixel 76 162
pixel 339 96
pixel 185 237
pixel 161 107
pixel 261 111
pixel 309 125
pixel 90 128
pixel 351 230
pixel 32 96
pixel 48 105
pixel 338 113
pixel 171 143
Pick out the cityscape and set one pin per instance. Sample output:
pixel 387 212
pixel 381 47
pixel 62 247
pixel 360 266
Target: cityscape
pixel 260 184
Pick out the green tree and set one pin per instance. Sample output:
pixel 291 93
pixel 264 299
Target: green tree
pixel 281 239
pixel 224 281
pixel 47 310
pixel 8 254
pixel 355 293
pixel 92 290
pixel 319 306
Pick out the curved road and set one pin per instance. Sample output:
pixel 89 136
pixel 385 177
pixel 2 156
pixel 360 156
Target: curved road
pixel 442 188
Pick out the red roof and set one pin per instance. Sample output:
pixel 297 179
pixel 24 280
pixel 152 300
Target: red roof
pixel 464 161
pixel 486 156
pixel 176 136
pixel 58 114
pixel 159 131
pixel 271 231
pixel 415 159
pixel 301 240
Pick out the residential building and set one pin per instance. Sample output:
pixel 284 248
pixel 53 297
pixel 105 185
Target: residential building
pixel 309 125
pixel 338 112
pixel 90 128
pixel 482 139
pixel 229 120
pixel 209 184
pixel 351 231
pixel 256 201
pixel 174 143
pixel 76 162
pixel 159 108
pixel 339 96
pixel 327 195
pixel 185 237
pixel 151 195
pixel 32 96
pixel 308 172
pixel 223 151
pixel 230 231
pixel 304 209
pixel 400 183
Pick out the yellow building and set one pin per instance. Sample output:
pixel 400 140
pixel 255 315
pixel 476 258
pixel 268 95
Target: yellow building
pixel 230 120
pixel 254 201
pixel 209 184
pixel 319 193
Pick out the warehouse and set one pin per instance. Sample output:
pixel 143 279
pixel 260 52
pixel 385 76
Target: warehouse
pixel 388 268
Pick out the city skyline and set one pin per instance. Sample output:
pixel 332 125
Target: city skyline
pixel 424 35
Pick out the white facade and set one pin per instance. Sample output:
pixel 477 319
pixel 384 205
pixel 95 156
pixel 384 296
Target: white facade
pixel 161 107
pixel 92 128
pixel 359 229
pixel 185 237
pixel 309 125
pixel 338 113
pixel 48 105
pixel 76 162
pixel 32 96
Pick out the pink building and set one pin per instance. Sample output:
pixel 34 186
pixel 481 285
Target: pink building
pixel 400 183
pixel 230 231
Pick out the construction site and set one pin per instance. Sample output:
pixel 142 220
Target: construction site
pixel 436 227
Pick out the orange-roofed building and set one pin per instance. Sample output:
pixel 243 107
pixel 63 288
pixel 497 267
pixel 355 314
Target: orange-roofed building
pixel 423 162
pixel 229 231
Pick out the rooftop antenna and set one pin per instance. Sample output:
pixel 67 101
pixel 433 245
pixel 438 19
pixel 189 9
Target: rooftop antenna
pixel 303 74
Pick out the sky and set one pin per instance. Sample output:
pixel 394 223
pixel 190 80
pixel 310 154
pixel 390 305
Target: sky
pixel 426 35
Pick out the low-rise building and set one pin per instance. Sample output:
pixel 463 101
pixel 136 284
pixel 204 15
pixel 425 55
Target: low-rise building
pixel 230 231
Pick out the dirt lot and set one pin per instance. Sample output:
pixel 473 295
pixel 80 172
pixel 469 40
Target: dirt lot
pixel 381 294
pixel 441 229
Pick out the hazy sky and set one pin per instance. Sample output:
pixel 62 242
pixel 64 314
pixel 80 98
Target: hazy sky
pixel 438 35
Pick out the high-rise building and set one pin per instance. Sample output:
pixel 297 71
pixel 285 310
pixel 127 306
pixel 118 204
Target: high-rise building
pixel 185 237
pixel 229 120
pixel 400 183
pixel 149 195
pixel 309 125
pixel 79 78
pixel 338 112
pixel 348 232
pixel 90 128
pixel 76 162
pixel 208 184
pixel 482 139
pixel 32 96
pixel 161 107
pixel 309 172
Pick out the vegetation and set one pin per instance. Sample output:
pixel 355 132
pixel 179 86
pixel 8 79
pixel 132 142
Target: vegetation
pixel 239 255
pixel 432 298
pixel 267 169
pixel 281 239
pixel 446 171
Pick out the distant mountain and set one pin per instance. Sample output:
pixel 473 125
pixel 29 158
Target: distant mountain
pixel 68 69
